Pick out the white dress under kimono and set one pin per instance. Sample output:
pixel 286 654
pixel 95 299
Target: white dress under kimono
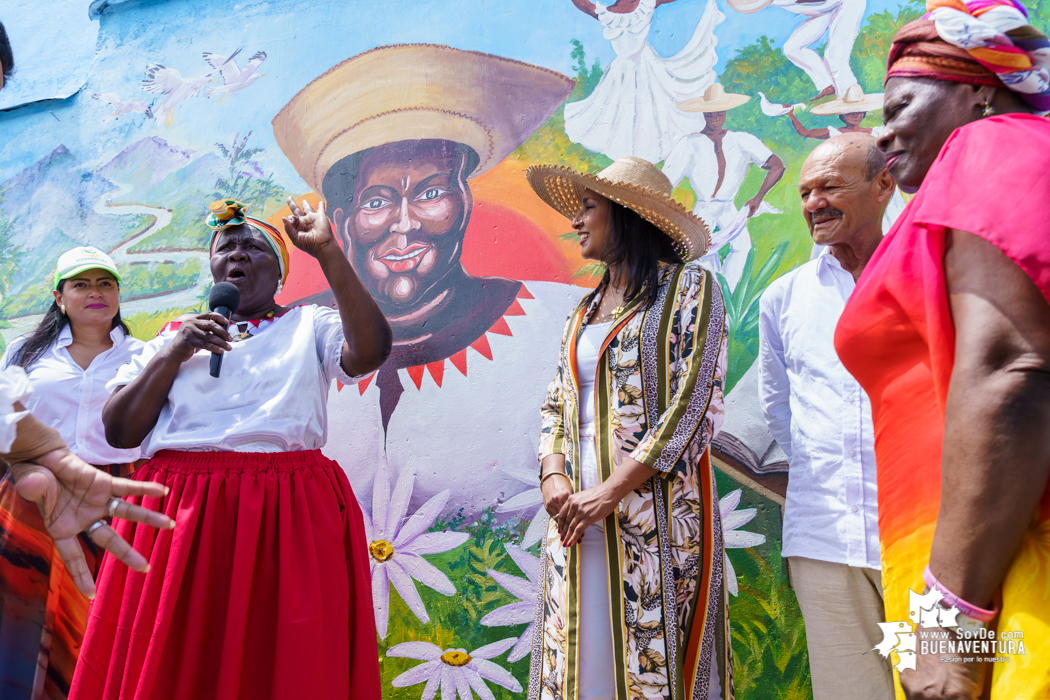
pixel 596 676
pixel 633 110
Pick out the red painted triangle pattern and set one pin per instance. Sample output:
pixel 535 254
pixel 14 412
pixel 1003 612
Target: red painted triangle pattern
pixel 459 359
pixel 482 346
pixel 437 371
pixel 514 309
pixel 500 327
pixel 417 375
pixel 363 384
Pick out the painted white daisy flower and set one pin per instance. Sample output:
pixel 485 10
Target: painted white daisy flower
pixel 528 499
pixel 734 538
pixel 527 591
pixel 396 546
pixel 454 671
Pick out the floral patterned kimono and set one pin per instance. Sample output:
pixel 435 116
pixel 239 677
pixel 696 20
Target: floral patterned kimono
pixel 659 400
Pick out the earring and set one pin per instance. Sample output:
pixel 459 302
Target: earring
pixel 988 110
pixel 62 309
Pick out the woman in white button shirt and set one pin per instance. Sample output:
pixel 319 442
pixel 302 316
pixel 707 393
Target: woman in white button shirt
pixel 69 357
pixel 633 601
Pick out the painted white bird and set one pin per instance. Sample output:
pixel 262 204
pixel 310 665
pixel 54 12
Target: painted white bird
pixel 234 79
pixel 170 83
pixel 133 106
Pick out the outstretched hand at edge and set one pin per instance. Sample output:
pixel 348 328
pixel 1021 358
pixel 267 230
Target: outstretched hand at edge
pixel 73 495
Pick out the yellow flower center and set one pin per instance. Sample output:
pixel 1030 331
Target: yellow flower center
pixel 452 657
pixel 381 550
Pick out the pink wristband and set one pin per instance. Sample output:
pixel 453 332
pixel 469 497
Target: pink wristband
pixel 971 611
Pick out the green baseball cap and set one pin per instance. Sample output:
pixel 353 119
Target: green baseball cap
pixel 75 261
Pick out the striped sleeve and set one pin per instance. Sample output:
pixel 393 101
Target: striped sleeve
pixel 696 347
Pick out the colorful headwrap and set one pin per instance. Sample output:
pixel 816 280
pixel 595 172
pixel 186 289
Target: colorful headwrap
pixel 229 212
pixel 981 42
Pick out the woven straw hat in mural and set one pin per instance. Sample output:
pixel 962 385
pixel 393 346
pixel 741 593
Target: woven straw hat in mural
pixel 636 184
pixel 411 92
pixel 715 99
pixel 853 101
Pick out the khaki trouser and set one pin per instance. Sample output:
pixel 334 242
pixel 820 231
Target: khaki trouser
pixel 841 606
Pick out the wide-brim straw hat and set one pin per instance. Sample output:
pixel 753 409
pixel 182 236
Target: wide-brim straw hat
pixel 636 184
pixel 410 92
pixel 853 101
pixel 715 99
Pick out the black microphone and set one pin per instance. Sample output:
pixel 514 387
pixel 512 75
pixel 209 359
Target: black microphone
pixel 224 299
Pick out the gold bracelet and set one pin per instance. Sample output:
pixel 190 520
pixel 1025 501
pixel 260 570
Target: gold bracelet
pixel 553 472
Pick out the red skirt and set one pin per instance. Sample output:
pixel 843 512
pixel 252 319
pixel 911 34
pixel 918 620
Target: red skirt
pixel 261 591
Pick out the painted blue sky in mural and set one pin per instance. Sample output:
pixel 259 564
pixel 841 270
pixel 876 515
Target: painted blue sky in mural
pixel 298 39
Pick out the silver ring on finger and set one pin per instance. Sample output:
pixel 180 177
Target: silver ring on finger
pixel 95 526
pixel 111 509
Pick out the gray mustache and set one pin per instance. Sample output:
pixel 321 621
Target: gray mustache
pixel 825 212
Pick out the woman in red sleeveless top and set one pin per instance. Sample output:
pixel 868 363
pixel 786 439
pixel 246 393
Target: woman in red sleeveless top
pixel 948 331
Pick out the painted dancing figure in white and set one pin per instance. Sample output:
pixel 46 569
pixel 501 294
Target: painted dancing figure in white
pixel 632 110
pixel 840 21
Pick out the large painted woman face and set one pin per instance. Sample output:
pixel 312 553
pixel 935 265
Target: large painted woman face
pixel 407 217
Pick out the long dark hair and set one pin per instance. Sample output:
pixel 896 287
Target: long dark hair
pixel 45 334
pixel 636 247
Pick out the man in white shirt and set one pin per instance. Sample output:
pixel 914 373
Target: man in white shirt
pixel 822 419
pixel 716 160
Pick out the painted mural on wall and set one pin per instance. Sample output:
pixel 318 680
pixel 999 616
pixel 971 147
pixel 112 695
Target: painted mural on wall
pixel 415 121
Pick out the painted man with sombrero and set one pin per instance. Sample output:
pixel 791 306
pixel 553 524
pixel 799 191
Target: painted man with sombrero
pixel 390 138
pixel 715 161
pixel 851 108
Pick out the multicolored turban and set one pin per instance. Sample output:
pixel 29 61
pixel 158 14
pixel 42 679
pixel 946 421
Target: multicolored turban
pixel 981 42
pixel 225 213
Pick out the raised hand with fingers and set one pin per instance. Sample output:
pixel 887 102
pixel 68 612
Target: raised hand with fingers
pixel 74 497
pixel 309 230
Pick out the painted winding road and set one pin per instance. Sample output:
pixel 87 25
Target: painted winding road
pixel 177 299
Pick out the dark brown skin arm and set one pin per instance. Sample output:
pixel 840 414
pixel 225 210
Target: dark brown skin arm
pixel 996 443
pixel 996 457
pixel 133 410
pixel 821 133
pixel 586 6
pixel 368 337
pixel 776 168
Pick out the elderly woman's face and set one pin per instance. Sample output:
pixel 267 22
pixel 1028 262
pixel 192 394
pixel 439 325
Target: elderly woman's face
pixel 919 115
pixel 244 258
